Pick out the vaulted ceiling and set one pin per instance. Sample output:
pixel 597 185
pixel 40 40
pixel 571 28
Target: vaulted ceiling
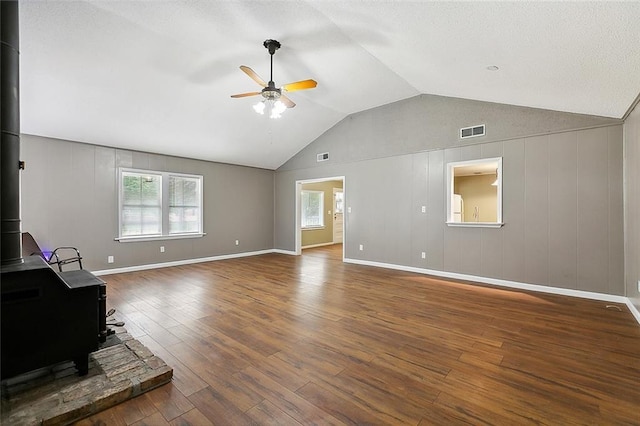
pixel 157 76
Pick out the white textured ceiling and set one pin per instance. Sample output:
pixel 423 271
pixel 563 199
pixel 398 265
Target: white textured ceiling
pixel 157 76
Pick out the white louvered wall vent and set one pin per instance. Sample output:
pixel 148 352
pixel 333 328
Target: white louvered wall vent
pixel 322 157
pixel 472 132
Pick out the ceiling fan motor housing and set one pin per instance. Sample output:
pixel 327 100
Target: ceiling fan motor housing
pixel 271 92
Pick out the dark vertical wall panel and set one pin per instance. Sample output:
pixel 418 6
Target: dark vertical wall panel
pixel 593 210
pixel 60 164
pixel 492 245
pixel 563 199
pixel 616 210
pixel 419 167
pixel 106 191
pixel 452 236
pixel 513 210
pixel 536 212
pixel 470 250
pixel 36 193
pixel 435 210
pixel 83 174
pixel 470 240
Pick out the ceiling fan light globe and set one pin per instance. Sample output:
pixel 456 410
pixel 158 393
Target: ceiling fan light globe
pixel 279 107
pixel 276 110
pixel 259 107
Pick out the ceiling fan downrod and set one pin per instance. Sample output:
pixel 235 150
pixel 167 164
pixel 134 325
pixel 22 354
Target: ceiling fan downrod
pixel 272 46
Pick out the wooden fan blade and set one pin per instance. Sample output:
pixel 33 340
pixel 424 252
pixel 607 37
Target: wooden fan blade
pixel 300 85
pixel 244 95
pixel 251 73
pixel 286 101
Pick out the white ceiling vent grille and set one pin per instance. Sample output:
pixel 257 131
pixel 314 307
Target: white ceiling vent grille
pixel 472 132
pixel 322 157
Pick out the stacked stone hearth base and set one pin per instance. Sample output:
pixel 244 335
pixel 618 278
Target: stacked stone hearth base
pixel 58 396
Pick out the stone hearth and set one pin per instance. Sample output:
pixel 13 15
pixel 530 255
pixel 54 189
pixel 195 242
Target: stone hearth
pixel 58 396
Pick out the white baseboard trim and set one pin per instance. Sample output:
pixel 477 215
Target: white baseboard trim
pixel 287 252
pixel 633 309
pixel 179 262
pixel 317 245
pixel 506 283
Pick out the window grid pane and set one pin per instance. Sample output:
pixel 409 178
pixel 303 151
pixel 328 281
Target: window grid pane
pixel 312 208
pixel 141 212
pixel 184 205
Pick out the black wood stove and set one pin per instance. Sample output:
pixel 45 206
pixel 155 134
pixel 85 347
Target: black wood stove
pixel 48 317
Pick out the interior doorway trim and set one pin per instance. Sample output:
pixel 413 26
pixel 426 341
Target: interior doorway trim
pixel 298 224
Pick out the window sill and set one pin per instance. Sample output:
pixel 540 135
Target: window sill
pixel 159 237
pixel 476 224
pixel 313 228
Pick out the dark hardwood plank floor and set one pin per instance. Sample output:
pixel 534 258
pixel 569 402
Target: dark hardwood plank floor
pixel 287 340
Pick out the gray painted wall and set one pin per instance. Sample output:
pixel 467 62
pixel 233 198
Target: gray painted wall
pixel 428 122
pixel 562 191
pixel 69 197
pixel 632 203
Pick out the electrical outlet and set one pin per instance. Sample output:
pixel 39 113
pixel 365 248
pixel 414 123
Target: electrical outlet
pixel 237 242
pixel 424 209
pixel 424 255
pixel 361 247
pixel 638 286
pixel 348 209
pixel 110 259
pixel 161 249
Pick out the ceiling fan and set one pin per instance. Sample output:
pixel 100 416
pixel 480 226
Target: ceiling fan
pixel 273 96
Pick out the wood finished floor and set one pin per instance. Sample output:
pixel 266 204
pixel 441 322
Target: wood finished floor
pixel 278 339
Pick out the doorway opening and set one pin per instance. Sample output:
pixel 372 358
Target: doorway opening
pixel 320 213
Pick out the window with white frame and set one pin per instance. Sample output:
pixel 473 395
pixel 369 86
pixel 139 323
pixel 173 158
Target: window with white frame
pixel 312 208
pixel 140 204
pixel 184 204
pixel 474 193
pixel 156 205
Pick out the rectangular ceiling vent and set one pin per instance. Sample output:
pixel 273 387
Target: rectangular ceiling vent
pixel 322 157
pixel 472 132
